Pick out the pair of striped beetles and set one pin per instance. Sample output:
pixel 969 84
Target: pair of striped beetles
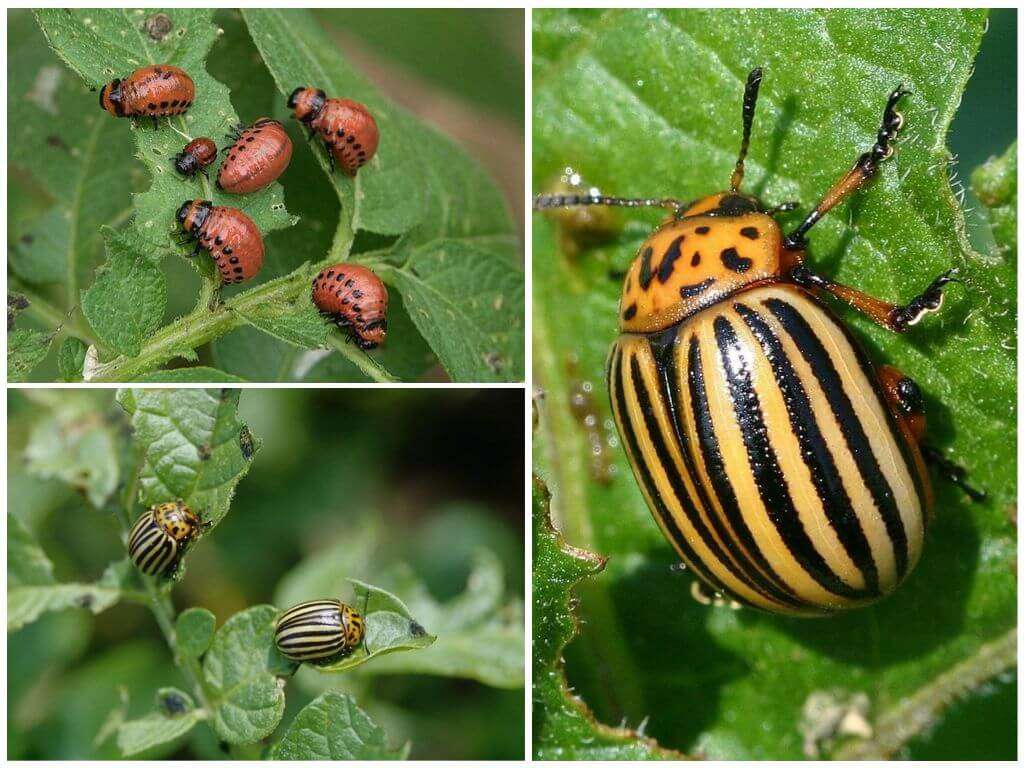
pixel 788 472
pixel 317 631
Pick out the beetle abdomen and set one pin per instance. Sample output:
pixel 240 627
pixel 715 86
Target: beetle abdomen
pixel 153 551
pixel 318 631
pixel 768 454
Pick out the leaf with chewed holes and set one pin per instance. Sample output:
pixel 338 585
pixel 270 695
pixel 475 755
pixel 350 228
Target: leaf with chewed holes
pixel 190 439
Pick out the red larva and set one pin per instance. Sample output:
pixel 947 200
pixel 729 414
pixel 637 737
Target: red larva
pixel 355 299
pixel 259 155
pixel 155 91
pixel 347 127
pixel 231 237
pixel 196 155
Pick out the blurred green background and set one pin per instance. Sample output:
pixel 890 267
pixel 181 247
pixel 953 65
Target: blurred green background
pixel 460 70
pixel 438 473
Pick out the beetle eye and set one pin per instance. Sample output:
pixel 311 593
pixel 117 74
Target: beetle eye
pixel 293 99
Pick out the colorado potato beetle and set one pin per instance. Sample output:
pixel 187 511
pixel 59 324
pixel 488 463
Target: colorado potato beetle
pixel 347 128
pixel 785 469
pixel 155 91
pixel 196 155
pixel 231 237
pixel 353 298
pixel 160 536
pixel 260 154
pixel 318 631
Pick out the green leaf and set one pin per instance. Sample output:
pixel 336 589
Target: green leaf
pixel 467 302
pixel 241 665
pixel 101 44
pixel 390 627
pixel 332 727
pixel 194 629
pixel 32 589
pixel 71 359
pixel 74 443
pixel 564 728
pixel 61 140
pixel 190 441
pixel 126 302
pixel 995 184
pixel 635 121
pixel 420 186
pixel 25 350
pixel 479 632
pixel 136 736
pixel 386 196
pixel 296 323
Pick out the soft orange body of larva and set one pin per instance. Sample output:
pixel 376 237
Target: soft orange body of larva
pixel 355 299
pixel 346 127
pixel 158 90
pixel 260 154
pixel 231 237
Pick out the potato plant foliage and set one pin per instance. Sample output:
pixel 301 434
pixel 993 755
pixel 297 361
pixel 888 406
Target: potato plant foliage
pixel 223 674
pixel 647 103
pixel 104 289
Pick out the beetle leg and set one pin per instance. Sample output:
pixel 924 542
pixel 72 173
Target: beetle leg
pixel 862 172
pixel 896 317
pixel 904 397
pixel 952 471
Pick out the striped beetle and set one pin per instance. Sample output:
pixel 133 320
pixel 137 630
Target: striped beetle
pixel 160 536
pixel 319 631
pixel 786 471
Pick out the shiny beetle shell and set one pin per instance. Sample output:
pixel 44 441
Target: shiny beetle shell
pixel 160 535
pixel 260 154
pixel 354 298
pixel 318 631
pixel 231 237
pixel 346 127
pixel 155 91
pixel 785 469
pixel 196 156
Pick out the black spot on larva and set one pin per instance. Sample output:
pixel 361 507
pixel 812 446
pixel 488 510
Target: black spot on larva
pixel 732 260
pixel 331 273
pixel 227 250
pixel 668 261
pixel 349 282
pixel 695 259
pixel 238 270
pixel 702 230
pixel 234 260
pixel 645 268
pixel 218 241
pixel 630 312
pixel 151 105
pixel 164 104
pixel 350 139
pixel 750 233
pixel 251 138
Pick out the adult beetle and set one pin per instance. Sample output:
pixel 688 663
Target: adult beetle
pixel 785 469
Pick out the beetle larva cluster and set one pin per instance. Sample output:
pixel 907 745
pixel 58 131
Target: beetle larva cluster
pixel 318 631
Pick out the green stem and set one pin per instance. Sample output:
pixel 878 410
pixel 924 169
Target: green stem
pixel 359 358
pixel 203 325
pixel 915 714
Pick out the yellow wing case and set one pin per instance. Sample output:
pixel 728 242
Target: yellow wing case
pixel 773 465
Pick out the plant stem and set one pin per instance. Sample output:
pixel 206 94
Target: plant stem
pixel 203 325
pixel 914 714
pixel 359 358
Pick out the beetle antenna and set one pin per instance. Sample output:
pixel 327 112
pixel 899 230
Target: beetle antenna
pixel 749 103
pixel 544 202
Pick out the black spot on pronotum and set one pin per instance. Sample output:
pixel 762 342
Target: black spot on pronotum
pixel 702 230
pixel 695 259
pixel 732 260
pixel 646 275
pixel 689 291
pixel 668 261
pixel 750 233
pixel 630 312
